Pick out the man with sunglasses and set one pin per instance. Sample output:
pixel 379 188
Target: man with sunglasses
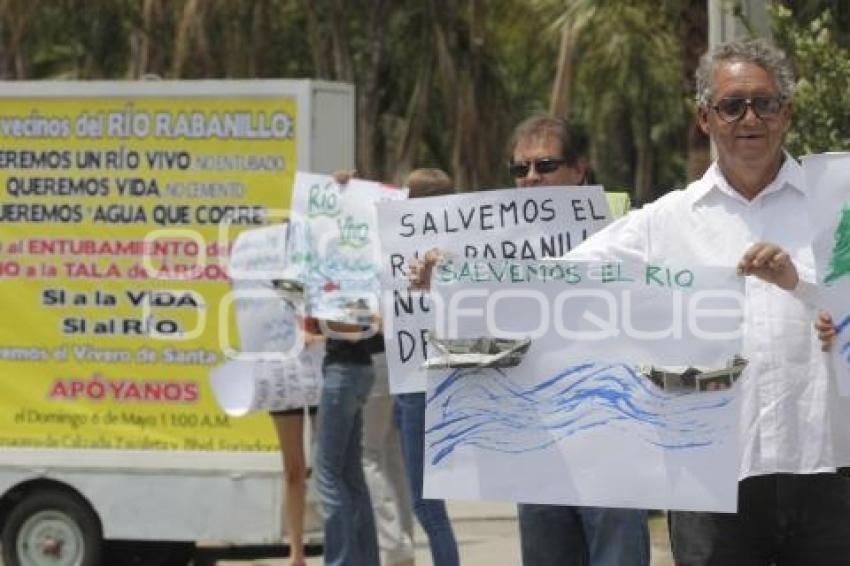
pixel 548 151
pixel 793 501
pixel 545 152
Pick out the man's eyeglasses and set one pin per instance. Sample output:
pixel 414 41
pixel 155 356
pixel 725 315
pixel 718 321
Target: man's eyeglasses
pixel 734 108
pixel 519 169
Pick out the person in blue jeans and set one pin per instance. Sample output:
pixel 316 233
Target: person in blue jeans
pixel 557 535
pixel 409 413
pixel 431 513
pixel 546 151
pixel 350 535
pixel 410 418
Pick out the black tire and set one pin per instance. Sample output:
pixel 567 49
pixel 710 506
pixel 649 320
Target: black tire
pixel 51 523
pixel 144 553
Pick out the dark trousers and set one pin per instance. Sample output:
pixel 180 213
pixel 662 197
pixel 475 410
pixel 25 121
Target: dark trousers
pixel 559 535
pixel 782 520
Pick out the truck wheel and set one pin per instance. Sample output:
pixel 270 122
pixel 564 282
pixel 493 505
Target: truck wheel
pixel 51 527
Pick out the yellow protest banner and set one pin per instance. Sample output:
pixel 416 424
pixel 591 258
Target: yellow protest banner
pixel 113 263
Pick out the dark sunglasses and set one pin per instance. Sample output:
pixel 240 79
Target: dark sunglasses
pixel 734 108
pixel 519 169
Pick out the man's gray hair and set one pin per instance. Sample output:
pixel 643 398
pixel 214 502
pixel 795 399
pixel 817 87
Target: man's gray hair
pixel 757 51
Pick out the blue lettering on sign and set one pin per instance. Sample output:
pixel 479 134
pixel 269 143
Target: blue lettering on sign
pixel 353 234
pixel 323 200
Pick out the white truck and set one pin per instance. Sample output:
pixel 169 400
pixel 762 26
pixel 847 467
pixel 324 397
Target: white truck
pixel 113 275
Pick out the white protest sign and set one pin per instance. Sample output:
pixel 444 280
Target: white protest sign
pixel 266 324
pixel 828 176
pixel 552 427
pixel 243 386
pixel 641 313
pixel 511 223
pixel 272 370
pixel 334 247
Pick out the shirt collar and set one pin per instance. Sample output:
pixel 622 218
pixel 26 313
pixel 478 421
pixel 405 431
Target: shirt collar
pixel 790 174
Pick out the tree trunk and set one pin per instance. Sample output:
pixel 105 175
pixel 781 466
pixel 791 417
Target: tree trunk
pixel 699 152
pixel 343 64
pixel 562 89
pixel 417 113
pixel 693 32
pixel 643 152
pixel 318 47
pixel 259 49
pixel 4 39
pixel 464 154
pixel 369 162
pixel 146 54
pixel 466 140
pixel 450 83
pixel 16 19
pixel 186 28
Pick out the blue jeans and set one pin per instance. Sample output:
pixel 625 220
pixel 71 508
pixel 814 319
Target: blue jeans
pixel 350 536
pixel 555 535
pixel 431 513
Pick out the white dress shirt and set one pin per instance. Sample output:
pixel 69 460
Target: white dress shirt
pixel 791 419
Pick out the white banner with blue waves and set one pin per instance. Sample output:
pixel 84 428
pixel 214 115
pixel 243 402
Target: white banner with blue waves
pixel 626 397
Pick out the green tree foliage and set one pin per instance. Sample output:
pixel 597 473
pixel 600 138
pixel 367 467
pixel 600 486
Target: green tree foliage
pixel 822 98
pixel 443 82
pixel 804 11
pixel 430 80
pixel 630 89
pixel 438 82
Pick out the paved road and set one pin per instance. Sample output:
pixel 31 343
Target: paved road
pixel 487 534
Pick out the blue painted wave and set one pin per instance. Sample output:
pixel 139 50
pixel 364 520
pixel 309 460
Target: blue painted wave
pixel 845 345
pixel 839 328
pixel 485 408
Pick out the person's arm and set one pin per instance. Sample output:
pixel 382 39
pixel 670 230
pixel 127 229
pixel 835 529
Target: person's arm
pixel 625 239
pixel 312 331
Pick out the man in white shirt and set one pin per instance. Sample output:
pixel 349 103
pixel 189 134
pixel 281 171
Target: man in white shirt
pixel 793 505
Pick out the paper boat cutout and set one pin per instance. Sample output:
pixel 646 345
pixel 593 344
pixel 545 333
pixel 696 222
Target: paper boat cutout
pixel 483 352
